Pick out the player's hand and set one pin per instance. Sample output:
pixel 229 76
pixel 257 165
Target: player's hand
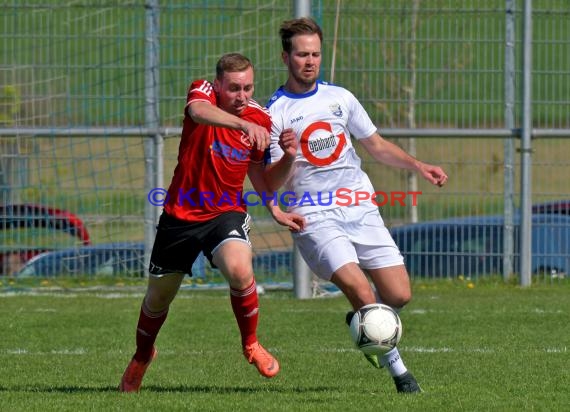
pixel 433 174
pixel 295 222
pixel 288 142
pixel 258 136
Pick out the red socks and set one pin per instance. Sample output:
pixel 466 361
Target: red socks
pixel 147 329
pixel 246 306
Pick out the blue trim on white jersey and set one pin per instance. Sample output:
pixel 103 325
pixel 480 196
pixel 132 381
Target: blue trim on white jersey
pixel 276 95
pixel 282 92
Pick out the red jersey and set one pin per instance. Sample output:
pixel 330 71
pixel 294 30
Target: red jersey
pixel 212 162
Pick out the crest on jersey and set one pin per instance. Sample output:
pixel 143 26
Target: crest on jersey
pixel 336 110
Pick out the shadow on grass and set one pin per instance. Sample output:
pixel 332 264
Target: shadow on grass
pixel 169 389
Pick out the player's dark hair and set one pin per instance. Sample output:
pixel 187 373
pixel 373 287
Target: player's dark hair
pixel 232 62
pixel 295 27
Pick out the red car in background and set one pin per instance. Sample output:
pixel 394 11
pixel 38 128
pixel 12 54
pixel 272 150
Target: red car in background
pixel 559 207
pixel 32 217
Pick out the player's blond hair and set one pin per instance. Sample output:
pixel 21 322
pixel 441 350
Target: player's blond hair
pixel 232 62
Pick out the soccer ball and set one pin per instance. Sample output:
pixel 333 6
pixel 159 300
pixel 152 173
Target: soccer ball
pixel 375 329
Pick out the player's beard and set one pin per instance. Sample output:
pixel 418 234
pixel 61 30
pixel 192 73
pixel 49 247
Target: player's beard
pixel 306 82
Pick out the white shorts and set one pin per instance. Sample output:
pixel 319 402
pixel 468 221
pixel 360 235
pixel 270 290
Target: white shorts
pixel 334 237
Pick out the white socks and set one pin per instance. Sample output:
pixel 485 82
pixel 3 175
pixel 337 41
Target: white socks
pixel 393 362
pixel 392 359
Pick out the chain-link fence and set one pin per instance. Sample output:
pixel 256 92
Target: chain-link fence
pixel 92 93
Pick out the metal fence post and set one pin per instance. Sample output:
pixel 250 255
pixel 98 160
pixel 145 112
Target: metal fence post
pixel 526 148
pixel 509 143
pixel 302 274
pixel 152 122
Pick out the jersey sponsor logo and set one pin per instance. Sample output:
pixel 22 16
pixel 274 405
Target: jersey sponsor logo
pixel 232 154
pixel 234 233
pixel 320 145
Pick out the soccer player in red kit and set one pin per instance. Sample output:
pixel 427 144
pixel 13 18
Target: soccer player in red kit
pixel 224 137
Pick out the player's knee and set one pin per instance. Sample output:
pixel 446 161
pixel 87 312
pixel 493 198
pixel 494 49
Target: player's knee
pixel 158 301
pixel 240 276
pixel 360 297
pixel 399 300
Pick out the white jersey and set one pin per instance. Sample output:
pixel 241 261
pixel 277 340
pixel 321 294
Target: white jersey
pixel 326 170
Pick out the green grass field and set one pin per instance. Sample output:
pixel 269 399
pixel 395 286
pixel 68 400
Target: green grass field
pixel 484 347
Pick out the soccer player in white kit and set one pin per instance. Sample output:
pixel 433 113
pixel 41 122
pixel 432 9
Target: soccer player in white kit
pixel 311 154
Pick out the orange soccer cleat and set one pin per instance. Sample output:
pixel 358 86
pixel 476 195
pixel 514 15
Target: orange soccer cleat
pixel 133 376
pixel 265 363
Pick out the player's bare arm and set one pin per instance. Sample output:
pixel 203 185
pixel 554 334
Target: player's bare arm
pixel 390 154
pixel 206 113
pixel 293 221
pixel 276 174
